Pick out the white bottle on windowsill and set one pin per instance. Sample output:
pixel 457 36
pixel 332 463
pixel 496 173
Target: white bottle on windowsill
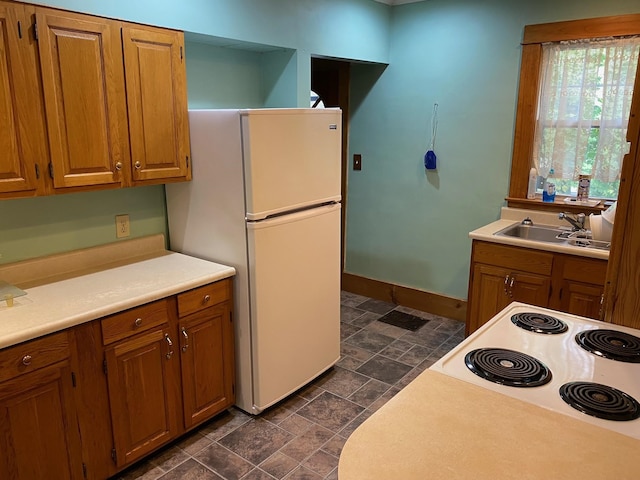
pixel 533 182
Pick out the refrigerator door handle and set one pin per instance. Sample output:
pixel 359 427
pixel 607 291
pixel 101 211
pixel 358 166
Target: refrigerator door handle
pixel 294 216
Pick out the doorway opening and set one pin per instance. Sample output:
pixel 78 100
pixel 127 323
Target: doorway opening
pixel 330 81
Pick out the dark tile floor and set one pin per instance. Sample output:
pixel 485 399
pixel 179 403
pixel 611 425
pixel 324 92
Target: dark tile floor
pixel 301 438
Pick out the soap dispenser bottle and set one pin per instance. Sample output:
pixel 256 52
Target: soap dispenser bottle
pixel 549 191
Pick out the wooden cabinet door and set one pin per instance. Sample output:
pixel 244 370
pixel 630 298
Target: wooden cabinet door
pixel 143 377
pixel 207 363
pixel 529 288
pixel 494 288
pixel 582 299
pixel 580 285
pixel 22 134
pixel 83 82
pixel 39 436
pixel 489 291
pixel 157 103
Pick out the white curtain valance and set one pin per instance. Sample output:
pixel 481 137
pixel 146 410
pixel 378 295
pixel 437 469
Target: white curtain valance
pixel 583 107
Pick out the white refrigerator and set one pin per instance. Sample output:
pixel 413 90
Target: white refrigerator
pixel 265 199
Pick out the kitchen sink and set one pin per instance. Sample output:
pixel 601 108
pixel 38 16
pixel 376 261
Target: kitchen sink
pixel 551 234
pixel 536 233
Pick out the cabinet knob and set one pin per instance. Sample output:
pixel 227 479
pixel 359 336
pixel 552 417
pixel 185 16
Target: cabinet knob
pixel 206 299
pixel 26 360
pixel 137 322
pixel 138 165
pixel 119 166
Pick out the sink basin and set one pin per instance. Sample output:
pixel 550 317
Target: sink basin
pixel 536 233
pixel 551 234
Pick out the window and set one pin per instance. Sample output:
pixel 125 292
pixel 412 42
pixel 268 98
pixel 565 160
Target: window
pixel 576 86
pixel 586 87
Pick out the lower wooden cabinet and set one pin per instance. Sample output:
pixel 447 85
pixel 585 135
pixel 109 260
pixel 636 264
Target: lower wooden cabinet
pixel 39 437
pixel 580 286
pixel 168 369
pixel 142 394
pixel 496 287
pixel 86 402
pixel 501 274
pixel 207 364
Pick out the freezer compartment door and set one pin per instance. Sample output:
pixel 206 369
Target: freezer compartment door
pixel 294 263
pixel 291 159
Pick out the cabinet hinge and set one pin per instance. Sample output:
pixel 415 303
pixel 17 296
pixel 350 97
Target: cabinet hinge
pixel 51 169
pixel 35 31
pixel 560 294
pixel 37 171
pixel 73 379
pixel 233 388
pixel 84 470
pixel 19 29
pixel 114 456
pixel 180 53
pixel 104 366
pixel 231 317
pixel 187 160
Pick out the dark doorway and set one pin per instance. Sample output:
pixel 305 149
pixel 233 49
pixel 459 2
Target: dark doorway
pixel 330 80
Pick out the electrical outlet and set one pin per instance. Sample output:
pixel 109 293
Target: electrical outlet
pixel 122 226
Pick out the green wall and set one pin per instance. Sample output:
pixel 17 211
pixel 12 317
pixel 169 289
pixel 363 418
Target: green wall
pixel 32 227
pixel 403 225
pixel 410 227
pixel 240 54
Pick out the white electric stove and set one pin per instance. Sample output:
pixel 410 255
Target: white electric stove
pixel 557 361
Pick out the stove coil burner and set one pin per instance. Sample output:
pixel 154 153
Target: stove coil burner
pixel 506 367
pixel 539 323
pixel 611 344
pixel 600 401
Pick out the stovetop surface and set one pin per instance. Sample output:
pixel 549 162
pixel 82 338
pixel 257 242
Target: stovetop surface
pixel 561 353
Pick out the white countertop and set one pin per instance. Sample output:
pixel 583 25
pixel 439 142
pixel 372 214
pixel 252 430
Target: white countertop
pixel 442 428
pixel 102 288
pixel 511 216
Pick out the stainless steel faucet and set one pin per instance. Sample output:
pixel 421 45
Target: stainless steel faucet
pixel 576 222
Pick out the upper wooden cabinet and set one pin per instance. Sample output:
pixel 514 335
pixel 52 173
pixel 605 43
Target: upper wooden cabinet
pixel 157 103
pixel 22 131
pixel 81 63
pixel 102 102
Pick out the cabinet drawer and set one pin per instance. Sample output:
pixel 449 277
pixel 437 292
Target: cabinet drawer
pixel 136 320
pixel 32 355
pixel 523 259
pixel 585 270
pixel 203 297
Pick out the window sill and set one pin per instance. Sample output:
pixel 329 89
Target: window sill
pixel 558 206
